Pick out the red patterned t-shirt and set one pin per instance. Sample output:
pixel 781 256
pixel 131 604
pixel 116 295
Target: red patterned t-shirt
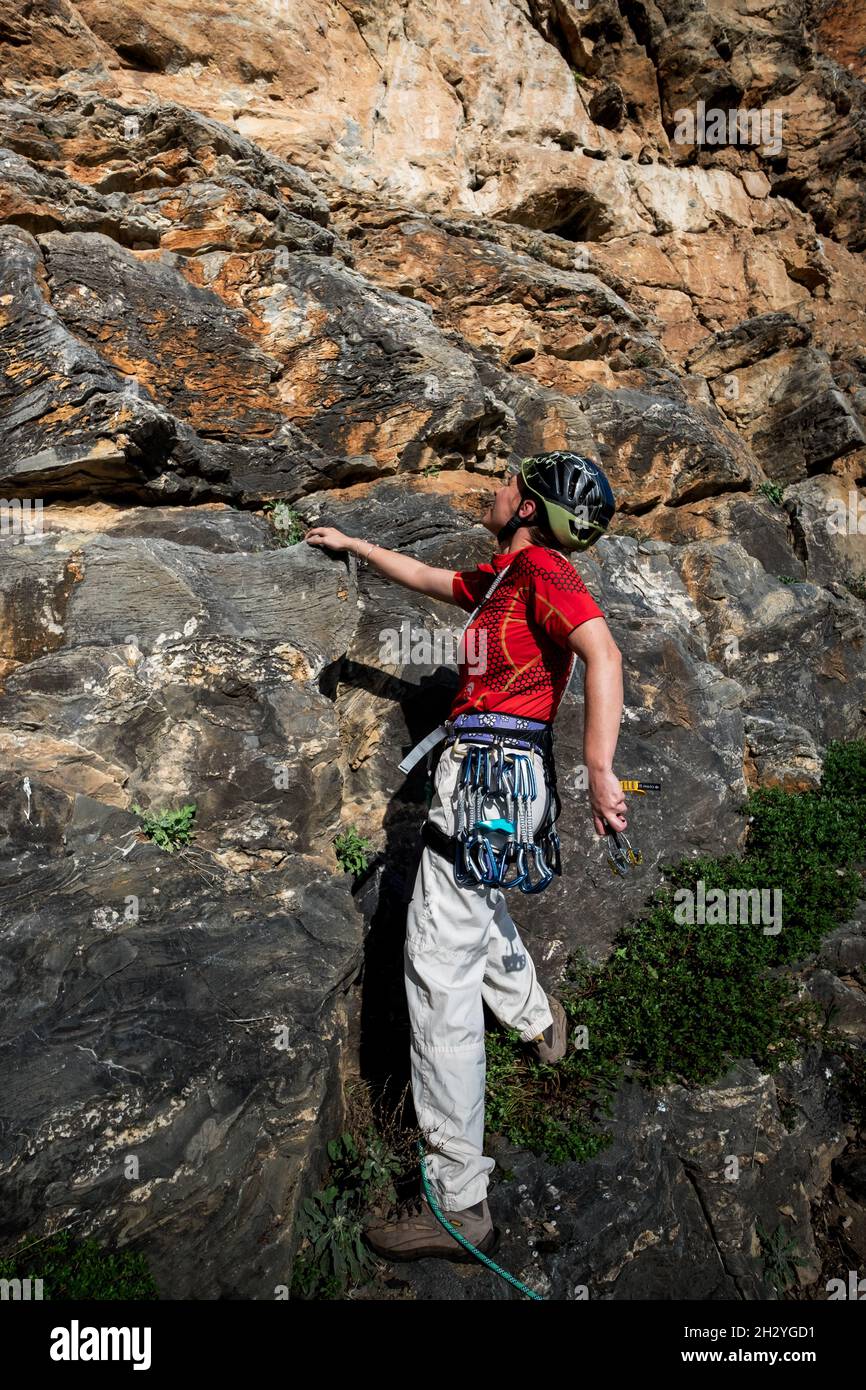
pixel 522 662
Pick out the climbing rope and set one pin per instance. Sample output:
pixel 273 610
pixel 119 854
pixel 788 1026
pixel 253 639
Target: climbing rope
pixel 491 1264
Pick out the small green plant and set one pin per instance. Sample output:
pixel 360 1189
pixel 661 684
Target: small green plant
pixel 168 829
pixel 774 492
pixel 578 77
pixel 351 849
pixel 287 524
pixel 779 1259
pixel 367 1164
pixel 332 1224
pixel 72 1270
pixel 373 1171
pixel 787 579
pixel 432 470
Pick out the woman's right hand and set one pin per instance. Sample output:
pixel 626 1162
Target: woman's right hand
pixel 328 537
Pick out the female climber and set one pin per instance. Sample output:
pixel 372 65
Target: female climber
pixel 491 822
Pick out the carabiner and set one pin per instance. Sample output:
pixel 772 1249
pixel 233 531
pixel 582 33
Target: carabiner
pixel 509 852
pixel 540 864
pixel 478 848
pixel 620 853
pixel 461 871
pixel 552 841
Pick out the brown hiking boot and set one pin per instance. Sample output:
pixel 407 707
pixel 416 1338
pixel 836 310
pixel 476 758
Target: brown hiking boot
pixel 552 1044
pixel 417 1234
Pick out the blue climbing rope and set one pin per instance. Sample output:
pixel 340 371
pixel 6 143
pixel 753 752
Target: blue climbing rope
pixel 491 1264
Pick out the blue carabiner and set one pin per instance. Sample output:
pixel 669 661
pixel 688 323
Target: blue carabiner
pixel 541 864
pixel 509 852
pixel 529 777
pixel 477 848
pixel 463 779
pixel 461 871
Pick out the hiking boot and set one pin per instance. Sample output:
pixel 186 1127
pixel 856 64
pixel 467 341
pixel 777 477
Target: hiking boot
pixel 417 1234
pixel 551 1045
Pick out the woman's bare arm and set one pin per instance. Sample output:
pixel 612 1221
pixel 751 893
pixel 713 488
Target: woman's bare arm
pixel 412 574
pixel 602 712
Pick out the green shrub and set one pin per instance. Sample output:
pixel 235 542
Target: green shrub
pixel 168 829
pixel 682 1002
pixel 844 770
pixel 551 1110
pixel 72 1270
pixel 351 850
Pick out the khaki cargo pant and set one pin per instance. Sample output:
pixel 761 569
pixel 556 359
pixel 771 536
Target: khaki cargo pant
pixel 462 947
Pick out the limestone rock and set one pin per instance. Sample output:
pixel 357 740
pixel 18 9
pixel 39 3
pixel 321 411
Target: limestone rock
pixel 353 262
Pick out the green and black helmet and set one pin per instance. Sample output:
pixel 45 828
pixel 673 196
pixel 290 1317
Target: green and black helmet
pixel 574 499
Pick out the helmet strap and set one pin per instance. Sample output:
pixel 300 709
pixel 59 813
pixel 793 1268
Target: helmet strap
pixel 505 532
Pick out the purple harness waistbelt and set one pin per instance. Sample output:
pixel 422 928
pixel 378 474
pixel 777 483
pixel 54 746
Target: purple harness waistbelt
pixel 489 728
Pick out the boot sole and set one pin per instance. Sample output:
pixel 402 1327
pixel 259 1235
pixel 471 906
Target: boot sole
pixel 458 1254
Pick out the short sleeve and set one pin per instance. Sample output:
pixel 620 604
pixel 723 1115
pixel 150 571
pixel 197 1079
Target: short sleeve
pixel 559 600
pixel 470 586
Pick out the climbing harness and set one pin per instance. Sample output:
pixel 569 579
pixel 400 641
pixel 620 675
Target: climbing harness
pixel 501 851
pixel 491 1264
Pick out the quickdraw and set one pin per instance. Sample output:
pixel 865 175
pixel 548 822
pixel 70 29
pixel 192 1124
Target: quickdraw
pixel 620 853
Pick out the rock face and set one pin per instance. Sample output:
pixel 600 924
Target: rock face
pixel 355 261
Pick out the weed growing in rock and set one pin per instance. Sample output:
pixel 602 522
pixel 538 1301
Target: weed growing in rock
pixel 369 1163
pixel 287 524
pixel 168 829
pixel 351 850
pixel 682 1002
pixel 779 1258
pixel 332 1226
pixel 774 492
pixel 72 1270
